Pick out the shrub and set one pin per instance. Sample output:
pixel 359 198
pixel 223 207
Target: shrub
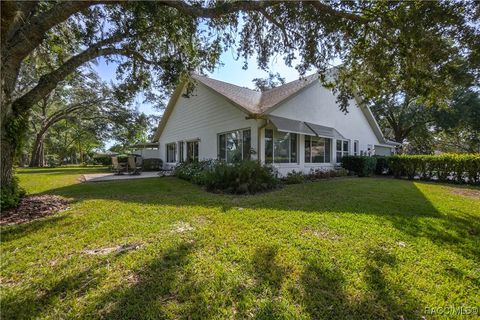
pixel 318 174
pixel 382 165
pixel 11 195
pixel 459 168
pixel 361 165
pixel 240 178
pixel 195 171
pixel 295 177
pixel 152 164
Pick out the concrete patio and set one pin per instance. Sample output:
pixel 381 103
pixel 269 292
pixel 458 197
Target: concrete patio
pixel 99 177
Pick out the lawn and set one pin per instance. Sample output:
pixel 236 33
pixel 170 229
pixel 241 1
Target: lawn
pixel 347 248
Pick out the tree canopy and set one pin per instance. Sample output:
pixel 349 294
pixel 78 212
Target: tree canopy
pixel 421 48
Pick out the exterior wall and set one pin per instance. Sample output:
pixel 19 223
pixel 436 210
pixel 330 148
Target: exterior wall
pixel 300 166
pixel 202 116
pixel 148 153
pixel 383 151
pixel 318 105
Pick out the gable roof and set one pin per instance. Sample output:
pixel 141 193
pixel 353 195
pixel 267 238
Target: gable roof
pixel 253 101
pixel 260 103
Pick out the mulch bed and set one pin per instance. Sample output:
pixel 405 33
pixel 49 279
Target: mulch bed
pixel 33 207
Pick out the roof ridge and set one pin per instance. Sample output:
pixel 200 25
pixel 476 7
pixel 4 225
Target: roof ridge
pixel 252 100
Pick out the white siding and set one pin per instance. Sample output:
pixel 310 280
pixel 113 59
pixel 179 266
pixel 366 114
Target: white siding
pixel 202 116
pixel 318 105
pixel 148 153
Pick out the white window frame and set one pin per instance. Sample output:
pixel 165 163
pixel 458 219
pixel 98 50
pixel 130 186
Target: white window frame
pixel 325 151
pixel 198 149
pixel 356 146
pixel 275 134
pixel 241 142
pixel 181 151
pixel 174 144
pixel 344 151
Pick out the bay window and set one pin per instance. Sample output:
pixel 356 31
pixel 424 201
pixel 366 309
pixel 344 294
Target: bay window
pixel 171 152
pixel 234 146
pixel 317 150
pixel 280 147
pixel 342 149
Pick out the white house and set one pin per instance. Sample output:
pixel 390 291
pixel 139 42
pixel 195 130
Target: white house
pixel 297 126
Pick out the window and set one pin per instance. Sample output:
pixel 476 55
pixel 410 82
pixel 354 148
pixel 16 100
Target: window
pixel 171 150
pixel 181 145
pixel 192 151
pixel 317 150
pixel 342 149
pixel 234 146
pixel 280 147
pixel 355 148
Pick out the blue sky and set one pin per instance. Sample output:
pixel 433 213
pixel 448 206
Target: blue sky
pixel 231 71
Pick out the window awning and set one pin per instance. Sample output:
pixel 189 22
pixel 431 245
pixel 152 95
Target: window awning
pixel 323 131
pixel 289 125
pixel 311 129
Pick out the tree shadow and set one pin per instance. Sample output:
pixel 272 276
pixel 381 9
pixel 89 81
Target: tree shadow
pixel 17 231
pixel 156 285
pixel 401 203
pixel 30 304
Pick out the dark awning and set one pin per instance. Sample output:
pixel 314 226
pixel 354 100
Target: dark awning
pixel 323 131
pixel 289 125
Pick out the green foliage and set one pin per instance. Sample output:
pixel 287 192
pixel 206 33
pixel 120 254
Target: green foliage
pixel 241 177
pixel 194 171
pixel 152 164
pixel 11 195
pixel 295 177
pixel 382 165
pixel 288 254
pixel 459 168
pixel 238 178
pixel 361 165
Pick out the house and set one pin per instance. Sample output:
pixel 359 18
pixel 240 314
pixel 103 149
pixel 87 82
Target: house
pixel 297 126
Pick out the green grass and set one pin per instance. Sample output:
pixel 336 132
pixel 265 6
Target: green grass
pixel 339 249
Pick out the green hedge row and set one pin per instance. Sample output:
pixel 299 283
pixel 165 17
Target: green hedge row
pixel 460 168
pixel 361 165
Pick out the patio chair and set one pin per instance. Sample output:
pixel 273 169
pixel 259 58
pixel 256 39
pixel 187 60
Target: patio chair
pixel 118 168
pixel 133 166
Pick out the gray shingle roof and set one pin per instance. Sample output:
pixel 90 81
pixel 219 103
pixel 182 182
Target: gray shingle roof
pixel 254 101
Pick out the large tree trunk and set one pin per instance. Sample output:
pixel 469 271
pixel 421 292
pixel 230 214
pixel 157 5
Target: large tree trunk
pixel 37 159
pixel 7 156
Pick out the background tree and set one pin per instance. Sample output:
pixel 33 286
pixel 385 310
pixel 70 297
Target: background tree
pixel 273 80
pixel 413 46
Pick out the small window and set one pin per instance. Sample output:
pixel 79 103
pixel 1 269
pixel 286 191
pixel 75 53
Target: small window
pixel 171 152
pixel 342 149
pixel 280 147
pixel 317 150
pixel 181 146
pixel 192 151
pixel 234 146
pixel 355 148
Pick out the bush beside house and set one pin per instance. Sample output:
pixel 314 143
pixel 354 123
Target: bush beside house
pixel 243 177
pixel 361 165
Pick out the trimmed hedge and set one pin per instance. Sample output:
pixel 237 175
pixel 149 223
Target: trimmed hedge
pixel 459 168
pixel 361 165
pixel 238 178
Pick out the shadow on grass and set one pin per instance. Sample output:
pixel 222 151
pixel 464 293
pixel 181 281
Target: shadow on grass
pixel 397 201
